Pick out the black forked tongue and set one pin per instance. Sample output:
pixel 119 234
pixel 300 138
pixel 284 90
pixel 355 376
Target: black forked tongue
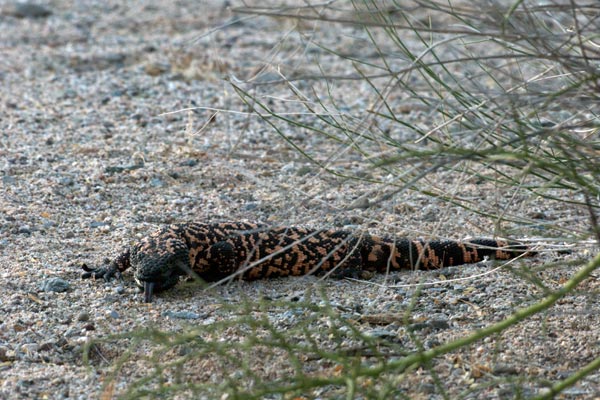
pixel 148 291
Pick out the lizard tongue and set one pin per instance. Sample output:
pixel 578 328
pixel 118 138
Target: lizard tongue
pixel 148 290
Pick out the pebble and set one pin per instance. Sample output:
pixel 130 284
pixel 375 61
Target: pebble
pixel 89 327
pixel 46 346
pixel 428 388
pixel 23 384
pixel 504 369
pixel 288 168
pixel 431 214
pixel 304 170
pixel 113 58
pixel 8 180
pixel 29 348
pixel 418 326
pixel 83 316
pixel 4 354
pixel 190 162
pixel 439 324
pixel 55 285
pixel 29 10
pixel 98 224
pixel 157 182
pixel 71 332
pixel 381 334
pixel 361 203
pixel 24 230
pixel 181 314
pixel 251 206
pixel 156 68
pixel 577 392
pixel 538 215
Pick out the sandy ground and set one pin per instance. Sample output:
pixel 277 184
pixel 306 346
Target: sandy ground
pixel 94 155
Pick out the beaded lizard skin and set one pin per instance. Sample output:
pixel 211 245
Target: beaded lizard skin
pixel 222 251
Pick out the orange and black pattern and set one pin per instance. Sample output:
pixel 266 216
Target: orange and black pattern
pixel 249 251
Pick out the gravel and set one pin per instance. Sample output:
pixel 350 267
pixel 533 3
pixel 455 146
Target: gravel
pixel 94 156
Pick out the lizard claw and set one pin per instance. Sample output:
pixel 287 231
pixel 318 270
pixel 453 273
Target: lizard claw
pixel 106 273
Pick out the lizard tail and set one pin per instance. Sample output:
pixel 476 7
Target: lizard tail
pixel 383 254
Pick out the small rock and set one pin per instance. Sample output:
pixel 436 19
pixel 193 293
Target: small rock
pixel 24 384
pixel 434 324
pixel 119 289
pixel 83 316
pixel 114 315
pixel 55 285
pixel 89 327
pixel 251 206
pixel 112 58
pixel 576 392
pixel 428 388
pixel 361 203
pixel 381 333
pixel 49 224
pixel 431 343
pixel 29 348
pixel 439 324
pixel 304 170
pixel 110 298
pixel 70 332
pixel 190 162
pixel 288 168
pixel 504 369
pixel 8 180
pixel 114 169
pixel 418 326
pixel 157 182
pixel 46 346
pixel 437 289
pixel 98 224
pixel 30 10
pixel 156 68
pixel 69 94
pixel 181 314
pixel 431 214
pixel 5 354
pixel 291 315
pixel 24 230
pixel 137 160
pixel 538 215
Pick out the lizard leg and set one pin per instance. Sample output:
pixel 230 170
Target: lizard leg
pixel 114 269
pixel 350 265
pixel 221 259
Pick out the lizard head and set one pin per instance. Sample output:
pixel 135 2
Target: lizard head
pixel 157 265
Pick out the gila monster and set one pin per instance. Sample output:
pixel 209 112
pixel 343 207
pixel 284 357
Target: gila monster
pixel 219 251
